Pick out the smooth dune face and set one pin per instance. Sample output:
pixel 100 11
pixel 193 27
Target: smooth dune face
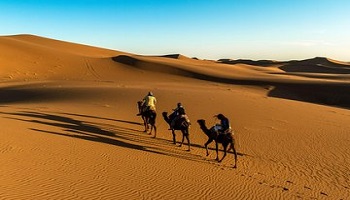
pixel 70 130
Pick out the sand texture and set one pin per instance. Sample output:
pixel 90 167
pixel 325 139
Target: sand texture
pixel 70 130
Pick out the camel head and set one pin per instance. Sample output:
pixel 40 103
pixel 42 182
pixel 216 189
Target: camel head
pixel 201 122
pixel 165 116
pixel 139 104
pixel 203 126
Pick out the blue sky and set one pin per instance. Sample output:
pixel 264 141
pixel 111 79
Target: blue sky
pixel 207 29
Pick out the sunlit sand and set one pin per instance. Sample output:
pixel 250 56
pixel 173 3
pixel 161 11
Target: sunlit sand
pixel 70 130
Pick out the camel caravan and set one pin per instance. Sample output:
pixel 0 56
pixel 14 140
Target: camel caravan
pixel 178 120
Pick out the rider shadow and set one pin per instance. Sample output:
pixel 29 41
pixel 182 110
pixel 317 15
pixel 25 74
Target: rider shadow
pixel 119 136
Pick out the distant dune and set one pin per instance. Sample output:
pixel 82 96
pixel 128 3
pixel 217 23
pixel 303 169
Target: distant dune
pixel 314 65
pixel 70 129
pixel 250 62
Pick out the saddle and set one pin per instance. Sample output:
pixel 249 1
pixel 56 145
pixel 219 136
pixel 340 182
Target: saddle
pixel 149 112
pixel 217 128
pixel 181 120
pixel 184 116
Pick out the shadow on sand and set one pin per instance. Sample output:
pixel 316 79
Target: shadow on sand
pixel 106 133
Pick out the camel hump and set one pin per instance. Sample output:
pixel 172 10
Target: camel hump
pixel 183 120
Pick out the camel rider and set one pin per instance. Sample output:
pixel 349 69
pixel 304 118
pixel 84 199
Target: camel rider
pixel 178 113
pixel 224 126
pixel 148 103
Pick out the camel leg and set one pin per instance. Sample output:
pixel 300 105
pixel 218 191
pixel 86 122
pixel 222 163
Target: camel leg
pixel 188 140
pixel 217 150
pixel 206 145
pixel 225 152
pixel 155 131
pixel 146 128
pixel 145 123
pixel 234 154
pixel 150 132
pixel 183 138
pixel 174 136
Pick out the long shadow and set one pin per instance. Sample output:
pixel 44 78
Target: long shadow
pixel 94 138
pixel 87 131
pixel 103 118
pixel 64 122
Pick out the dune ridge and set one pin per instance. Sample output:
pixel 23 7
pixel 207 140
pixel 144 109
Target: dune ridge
pixel 313 65
pixel 64 47
pixel 70 130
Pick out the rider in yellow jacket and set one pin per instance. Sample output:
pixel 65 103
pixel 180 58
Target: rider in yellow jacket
pixel 149 102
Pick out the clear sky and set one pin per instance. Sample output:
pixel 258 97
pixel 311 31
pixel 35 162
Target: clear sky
pixel 207 29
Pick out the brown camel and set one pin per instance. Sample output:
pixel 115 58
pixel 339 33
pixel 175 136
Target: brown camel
pixel 149 119
pixel 182 125
pixel 224 139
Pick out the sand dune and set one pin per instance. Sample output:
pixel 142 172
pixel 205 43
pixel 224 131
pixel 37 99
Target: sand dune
pixel 70 130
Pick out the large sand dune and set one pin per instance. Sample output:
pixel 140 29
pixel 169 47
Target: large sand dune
pixel 70 130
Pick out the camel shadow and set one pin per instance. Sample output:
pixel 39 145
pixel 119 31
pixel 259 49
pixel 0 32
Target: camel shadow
pixel 102 118
pixel 105 133
pixel 76 129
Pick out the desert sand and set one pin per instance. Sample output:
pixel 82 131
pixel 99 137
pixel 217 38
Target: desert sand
pixel 70 130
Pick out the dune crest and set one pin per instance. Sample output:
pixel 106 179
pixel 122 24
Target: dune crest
pixel 62 46
pixel 313 65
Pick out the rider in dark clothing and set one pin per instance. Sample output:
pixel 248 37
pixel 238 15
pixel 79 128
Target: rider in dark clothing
pixel 179 112
pixel 224 122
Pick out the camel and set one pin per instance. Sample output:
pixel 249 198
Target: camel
pixel 149 119
pixel 181 125
pixel 224 139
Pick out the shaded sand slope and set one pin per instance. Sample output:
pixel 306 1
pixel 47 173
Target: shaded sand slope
pixel 330 89
pixel 73 133
pixel 327 79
